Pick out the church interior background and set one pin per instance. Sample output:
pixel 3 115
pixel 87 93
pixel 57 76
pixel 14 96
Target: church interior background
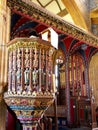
pixel 48 66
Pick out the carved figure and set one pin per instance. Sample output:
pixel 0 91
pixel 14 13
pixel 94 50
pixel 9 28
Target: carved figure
pixel 18 75
pixel 35 76
pixel 26 75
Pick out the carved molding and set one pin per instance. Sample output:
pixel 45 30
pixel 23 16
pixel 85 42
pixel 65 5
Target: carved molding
pixel 28 42
pixel 43 16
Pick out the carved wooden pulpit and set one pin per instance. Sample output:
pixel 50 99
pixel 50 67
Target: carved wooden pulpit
pixel 30 83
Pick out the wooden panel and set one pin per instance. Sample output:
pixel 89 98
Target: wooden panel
pixel 61 111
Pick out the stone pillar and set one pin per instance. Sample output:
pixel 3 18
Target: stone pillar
pixel 67 90
pixel 4 38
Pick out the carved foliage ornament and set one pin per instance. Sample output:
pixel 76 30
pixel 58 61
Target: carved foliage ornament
pixel 36 12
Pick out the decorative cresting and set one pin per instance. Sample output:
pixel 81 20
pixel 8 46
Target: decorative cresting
pixel 35 12
pixel 30 88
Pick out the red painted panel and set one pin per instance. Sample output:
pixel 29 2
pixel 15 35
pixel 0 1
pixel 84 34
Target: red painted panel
pixel 72 110
pixel 67 42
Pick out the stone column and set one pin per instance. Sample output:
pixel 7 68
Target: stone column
pixel 4 38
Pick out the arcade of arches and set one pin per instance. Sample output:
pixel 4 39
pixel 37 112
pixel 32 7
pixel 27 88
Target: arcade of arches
pixel 44 86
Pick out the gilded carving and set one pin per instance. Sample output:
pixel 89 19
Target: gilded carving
pixel 53 21
pixel 27 95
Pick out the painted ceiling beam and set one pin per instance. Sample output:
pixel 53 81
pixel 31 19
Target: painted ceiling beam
pixel 62 13
pixel 76 13
pixel 94 20
pixel 94 13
